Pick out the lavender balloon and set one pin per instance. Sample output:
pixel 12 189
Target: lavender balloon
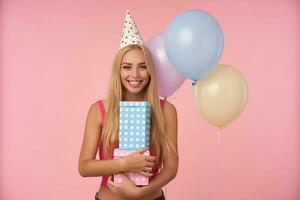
pixel 169 80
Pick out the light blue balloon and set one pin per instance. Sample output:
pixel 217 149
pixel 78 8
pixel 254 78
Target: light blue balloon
pixel 194 43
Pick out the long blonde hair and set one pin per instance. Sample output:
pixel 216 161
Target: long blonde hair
pixel 160 143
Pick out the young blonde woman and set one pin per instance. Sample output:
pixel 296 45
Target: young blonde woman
pixel 132 79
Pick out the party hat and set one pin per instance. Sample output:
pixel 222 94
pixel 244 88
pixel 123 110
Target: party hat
pixel 130 33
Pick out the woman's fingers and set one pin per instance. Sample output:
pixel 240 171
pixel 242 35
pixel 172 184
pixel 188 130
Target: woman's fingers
pixel 149 164
pixel 111 187
pixel 148 169
pixel 150 158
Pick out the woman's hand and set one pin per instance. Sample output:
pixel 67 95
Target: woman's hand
pixel 126 190
pixel 137 162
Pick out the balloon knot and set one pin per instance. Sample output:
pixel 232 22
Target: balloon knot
pixel 194 83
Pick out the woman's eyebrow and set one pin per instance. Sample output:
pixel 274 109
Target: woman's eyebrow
pixel 126 63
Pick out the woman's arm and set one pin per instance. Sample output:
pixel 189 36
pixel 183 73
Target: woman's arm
pixel 170 163
pixel 87 164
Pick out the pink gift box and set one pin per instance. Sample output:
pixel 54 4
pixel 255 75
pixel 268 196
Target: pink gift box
pixel 137 178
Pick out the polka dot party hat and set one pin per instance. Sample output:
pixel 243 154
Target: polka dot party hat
pixel 130 33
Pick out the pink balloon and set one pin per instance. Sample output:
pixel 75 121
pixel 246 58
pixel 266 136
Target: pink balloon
pixel 169 80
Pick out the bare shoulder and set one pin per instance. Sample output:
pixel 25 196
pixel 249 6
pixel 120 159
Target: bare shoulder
pixel 170 114
pixel 169 109
pixel 94 108
pixel 94 113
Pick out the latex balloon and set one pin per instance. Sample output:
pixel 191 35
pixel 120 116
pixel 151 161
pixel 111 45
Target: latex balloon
pixel 169 80
pixel 194 43
pixel 222 95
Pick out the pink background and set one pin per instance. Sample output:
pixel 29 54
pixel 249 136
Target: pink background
pixel 55 62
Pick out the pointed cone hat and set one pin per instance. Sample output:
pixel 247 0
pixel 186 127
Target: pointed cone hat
pixel 130 33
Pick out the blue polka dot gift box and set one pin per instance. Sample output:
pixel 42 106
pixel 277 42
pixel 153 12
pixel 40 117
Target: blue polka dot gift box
pixel 134 125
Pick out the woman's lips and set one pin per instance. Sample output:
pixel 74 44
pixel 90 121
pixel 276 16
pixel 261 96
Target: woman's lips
pixel 135 83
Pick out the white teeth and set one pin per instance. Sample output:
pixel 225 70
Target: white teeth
pixel 134 83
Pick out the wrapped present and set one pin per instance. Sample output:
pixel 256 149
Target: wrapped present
pixel 134 124
pixel 137 178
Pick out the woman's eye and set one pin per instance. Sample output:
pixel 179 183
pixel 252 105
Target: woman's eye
pixel 126 67
pixel 143 66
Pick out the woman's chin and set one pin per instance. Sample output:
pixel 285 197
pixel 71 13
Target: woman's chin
pixel 136 90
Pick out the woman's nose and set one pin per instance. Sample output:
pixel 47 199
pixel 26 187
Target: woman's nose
pixel 135 72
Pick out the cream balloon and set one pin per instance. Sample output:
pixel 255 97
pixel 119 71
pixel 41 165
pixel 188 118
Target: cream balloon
pixel 222 95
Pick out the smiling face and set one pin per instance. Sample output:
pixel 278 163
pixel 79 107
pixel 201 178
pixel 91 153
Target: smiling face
pixel 134 74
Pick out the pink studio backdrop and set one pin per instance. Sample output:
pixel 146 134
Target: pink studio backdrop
pixel 55 62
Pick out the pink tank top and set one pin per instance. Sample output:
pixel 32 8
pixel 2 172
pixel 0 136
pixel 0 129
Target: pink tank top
pixel 104 180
